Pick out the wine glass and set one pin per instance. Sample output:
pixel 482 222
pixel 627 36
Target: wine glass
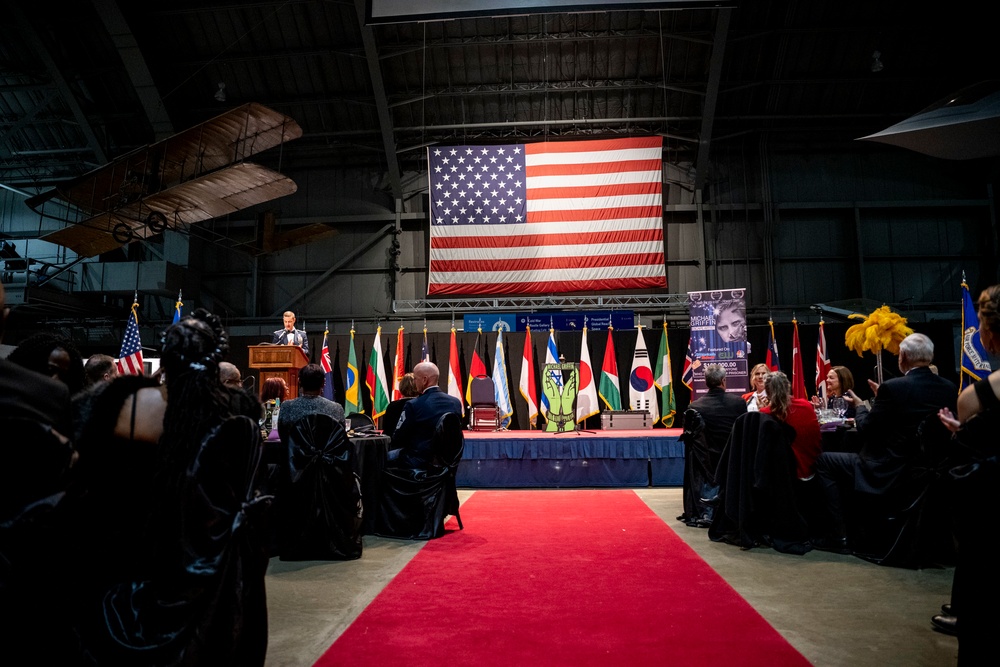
pixel 838 405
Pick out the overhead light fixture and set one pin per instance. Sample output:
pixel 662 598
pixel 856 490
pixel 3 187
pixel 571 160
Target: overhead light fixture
pixel 220 94
pixel 877 65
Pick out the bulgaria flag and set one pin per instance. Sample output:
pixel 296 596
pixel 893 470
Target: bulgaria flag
pixel 375 379
pixel 609 391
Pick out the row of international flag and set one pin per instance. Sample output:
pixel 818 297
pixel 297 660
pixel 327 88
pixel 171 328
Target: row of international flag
pixel 644 379
pixel 649 388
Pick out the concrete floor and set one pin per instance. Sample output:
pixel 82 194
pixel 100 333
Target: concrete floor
pixel 838 611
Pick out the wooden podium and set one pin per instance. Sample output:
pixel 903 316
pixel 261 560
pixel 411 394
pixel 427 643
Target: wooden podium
pixel 283 361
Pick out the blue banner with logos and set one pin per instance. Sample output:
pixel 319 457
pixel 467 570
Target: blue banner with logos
pixel 560 321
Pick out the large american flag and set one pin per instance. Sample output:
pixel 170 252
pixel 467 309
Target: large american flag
pixel 130 357
pixel 546 217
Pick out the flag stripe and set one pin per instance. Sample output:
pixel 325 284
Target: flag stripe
pixel 599 202
pixel 545 234
pixel 608 147
pixel 558 188
pixel 511 262
pixel 624 169
pixel 556 286
pixel 582 210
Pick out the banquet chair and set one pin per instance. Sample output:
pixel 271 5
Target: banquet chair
pixel 415 502
pixel 319 503
pixel 484 413
pixel 699 488
pixel 756 476
pixel 909 526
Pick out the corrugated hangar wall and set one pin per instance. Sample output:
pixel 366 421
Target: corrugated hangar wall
pixel 794 227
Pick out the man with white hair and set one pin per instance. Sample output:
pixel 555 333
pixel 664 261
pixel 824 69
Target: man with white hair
pixel 411 441
pixel 888 432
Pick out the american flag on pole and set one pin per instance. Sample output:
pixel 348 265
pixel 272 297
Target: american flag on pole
pixel 130 358
pixel 547 217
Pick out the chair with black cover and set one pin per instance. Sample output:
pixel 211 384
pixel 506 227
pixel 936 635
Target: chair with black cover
pixel 415 502
pixel 699 487
pixel 34 578
pixel 360 421
pixel 484 413
pixel 756 475
pixel 909 525
pixel 205 602
pixel 319 503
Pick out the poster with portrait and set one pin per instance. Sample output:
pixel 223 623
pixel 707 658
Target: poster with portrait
pixel 719 336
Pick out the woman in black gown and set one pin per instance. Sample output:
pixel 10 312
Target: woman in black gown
pixel 976 484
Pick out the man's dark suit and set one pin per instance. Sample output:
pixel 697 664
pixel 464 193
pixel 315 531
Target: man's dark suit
pixel 888 432
pixel 704 440
pixel 719 409
pixel 889 429
pixel 281 338
pixel 416 426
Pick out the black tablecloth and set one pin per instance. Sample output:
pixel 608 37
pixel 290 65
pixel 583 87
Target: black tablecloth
pixel 369 460
pixel 842 439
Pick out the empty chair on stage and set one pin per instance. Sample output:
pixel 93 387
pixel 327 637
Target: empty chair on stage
pixel 484 413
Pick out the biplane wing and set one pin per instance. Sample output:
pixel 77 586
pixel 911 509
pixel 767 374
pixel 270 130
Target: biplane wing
pixel 193 176
pixel 224 191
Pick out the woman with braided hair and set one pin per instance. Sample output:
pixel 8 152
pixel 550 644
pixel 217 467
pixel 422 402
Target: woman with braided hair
pixel 976 586
pixel 195 593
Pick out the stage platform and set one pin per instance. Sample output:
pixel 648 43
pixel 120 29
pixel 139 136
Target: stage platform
pixel 614 458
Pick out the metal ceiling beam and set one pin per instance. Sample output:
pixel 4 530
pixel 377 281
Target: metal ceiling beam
pixel 66 93
pixel 543 87
pixel 711 96
pixel 381 103
pixel 402 49
pixel 135 67
pixel 347 259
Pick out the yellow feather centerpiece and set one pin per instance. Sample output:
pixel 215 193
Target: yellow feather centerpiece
pixel 882 330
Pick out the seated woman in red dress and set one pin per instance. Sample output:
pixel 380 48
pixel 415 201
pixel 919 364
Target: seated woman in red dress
pixel 800 415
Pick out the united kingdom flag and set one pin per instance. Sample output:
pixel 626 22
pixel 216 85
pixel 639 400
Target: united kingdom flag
pixel 687 377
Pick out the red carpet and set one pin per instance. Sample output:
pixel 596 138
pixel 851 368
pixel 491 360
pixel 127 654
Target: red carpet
pixel 559 578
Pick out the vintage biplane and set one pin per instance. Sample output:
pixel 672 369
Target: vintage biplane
pixel 193 176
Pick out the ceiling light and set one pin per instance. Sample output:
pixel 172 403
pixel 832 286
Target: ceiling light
pixel 220 94
pixel 877 61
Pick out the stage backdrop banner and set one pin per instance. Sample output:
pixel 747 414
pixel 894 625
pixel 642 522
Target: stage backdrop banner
pixel 546 217
pixel 719 336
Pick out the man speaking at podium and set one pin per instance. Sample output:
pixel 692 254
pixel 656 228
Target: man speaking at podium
pixel 290 335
